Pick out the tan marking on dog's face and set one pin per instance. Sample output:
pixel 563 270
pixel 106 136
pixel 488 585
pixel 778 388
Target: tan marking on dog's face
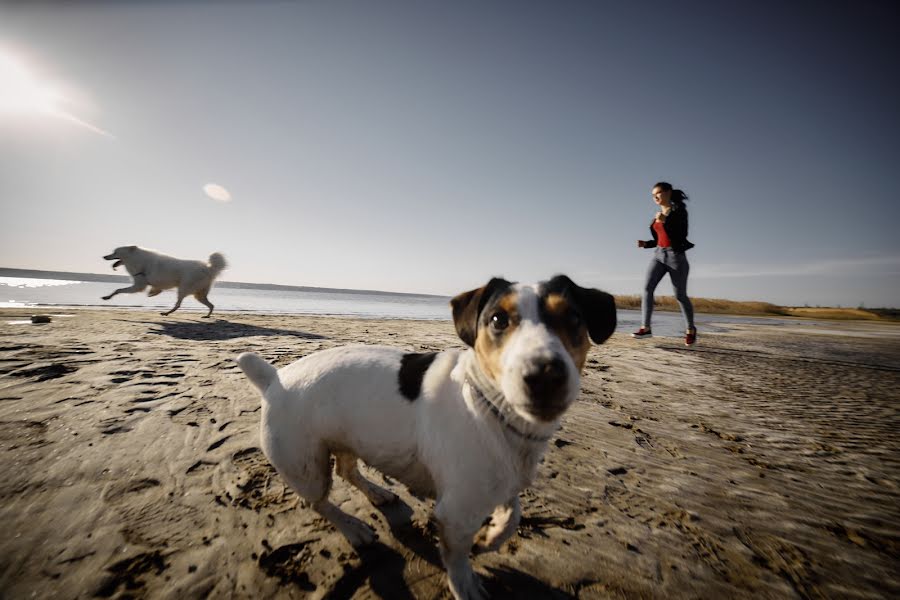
pixel 566 322
pixel 493 335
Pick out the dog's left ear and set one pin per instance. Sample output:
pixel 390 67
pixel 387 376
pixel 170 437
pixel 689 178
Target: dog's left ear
pixel 467 308
pixel 598 308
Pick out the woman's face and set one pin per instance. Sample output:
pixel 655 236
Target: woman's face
pixel 661 197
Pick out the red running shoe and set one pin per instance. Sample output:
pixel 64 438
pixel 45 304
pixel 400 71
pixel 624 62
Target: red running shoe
pixel 643 332
pixel 690 338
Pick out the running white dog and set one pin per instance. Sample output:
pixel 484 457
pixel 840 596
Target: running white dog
pixel 467 427
pixel 161 272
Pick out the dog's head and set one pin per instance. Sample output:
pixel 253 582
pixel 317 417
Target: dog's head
pixel 120 254
pixel 532 340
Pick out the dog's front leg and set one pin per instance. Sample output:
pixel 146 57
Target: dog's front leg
pixel 457 524
pixel 136 287
pixel 504 522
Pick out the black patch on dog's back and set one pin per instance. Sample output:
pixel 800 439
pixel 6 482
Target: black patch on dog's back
pixel 412 371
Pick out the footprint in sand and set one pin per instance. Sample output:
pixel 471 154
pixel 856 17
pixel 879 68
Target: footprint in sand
pixel 45 372
pixel 116 491
pixel 128 574
pixel 256 485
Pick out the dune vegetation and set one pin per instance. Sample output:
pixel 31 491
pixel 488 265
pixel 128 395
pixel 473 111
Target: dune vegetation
pixel 734 307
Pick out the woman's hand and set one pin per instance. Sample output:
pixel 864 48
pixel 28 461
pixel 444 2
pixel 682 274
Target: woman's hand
pixel 641 243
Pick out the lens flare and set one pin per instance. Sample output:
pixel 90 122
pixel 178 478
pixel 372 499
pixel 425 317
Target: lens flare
pixel 23 94
pixel 217 192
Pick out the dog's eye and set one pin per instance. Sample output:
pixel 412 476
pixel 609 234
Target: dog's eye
pixel 500 321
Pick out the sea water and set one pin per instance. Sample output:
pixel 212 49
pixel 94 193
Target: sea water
pixel 26 292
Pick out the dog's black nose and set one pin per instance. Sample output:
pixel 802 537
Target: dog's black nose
pixel 546 378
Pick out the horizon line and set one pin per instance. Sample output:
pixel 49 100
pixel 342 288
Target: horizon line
pixel 113 278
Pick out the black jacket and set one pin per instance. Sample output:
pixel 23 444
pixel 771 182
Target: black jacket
pixel 676 226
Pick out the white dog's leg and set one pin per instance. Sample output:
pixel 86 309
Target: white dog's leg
pixel 136 287
pixel 312 481
pixel 456 527
pixel 504 522
pixel 202 299
pixel 346 468
pixel 181 296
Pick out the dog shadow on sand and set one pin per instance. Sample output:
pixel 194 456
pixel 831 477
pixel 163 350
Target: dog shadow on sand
pixel 220 329
pixel 383 567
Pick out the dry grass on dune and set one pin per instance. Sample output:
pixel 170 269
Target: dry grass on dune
pixel 839 313
pixel 705 305
pixel 734 307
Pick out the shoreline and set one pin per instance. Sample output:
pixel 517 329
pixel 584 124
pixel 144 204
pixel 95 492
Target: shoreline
pixel 892 327
pixel 758 464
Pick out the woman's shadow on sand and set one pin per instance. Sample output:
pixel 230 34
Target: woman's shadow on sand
pixel 383 567
pixel 221 329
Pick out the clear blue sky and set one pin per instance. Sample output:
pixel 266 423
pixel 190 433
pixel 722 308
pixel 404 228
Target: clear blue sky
pixel 426 146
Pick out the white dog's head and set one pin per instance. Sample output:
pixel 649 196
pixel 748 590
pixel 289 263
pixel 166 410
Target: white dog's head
pixel 532 340
pixel 120 254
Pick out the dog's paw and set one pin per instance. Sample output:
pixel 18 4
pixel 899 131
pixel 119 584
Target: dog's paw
pixel 356 532
pixel 379 496
pixel 106 297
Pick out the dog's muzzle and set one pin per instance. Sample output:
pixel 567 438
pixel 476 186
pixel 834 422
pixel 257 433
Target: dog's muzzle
pixel 116 264
pixel 548 388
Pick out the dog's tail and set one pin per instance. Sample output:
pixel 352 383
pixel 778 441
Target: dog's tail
pixel 257 370
pixel 217 263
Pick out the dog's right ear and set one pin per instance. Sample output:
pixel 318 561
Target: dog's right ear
pixel 468 305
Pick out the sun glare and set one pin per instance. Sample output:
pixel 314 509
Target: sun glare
pixel 23 94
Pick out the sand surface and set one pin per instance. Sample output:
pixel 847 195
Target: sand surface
pixel 763 463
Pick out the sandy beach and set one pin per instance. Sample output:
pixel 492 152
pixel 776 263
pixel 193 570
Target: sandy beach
pixel 764 463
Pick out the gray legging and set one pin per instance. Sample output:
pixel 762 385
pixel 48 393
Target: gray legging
pixel 666 260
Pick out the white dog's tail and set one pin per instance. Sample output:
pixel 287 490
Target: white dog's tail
pixel 217 263
pixel 257 370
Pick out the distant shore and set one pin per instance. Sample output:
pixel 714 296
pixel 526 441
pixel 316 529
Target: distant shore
pixel 628 302
pixel 109 278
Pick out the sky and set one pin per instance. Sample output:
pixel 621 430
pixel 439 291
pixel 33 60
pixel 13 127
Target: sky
pixel 426 146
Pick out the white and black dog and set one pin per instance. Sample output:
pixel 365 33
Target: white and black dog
pixel 466 427
pixel 161 272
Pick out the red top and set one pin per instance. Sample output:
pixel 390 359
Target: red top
pixel 662 238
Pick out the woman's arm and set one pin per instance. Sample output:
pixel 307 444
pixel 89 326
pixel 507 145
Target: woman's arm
pixel 648 243
pixel 677 226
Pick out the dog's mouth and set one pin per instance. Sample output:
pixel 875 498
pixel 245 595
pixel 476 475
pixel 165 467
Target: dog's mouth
pixel 547 411
pixel 118 260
